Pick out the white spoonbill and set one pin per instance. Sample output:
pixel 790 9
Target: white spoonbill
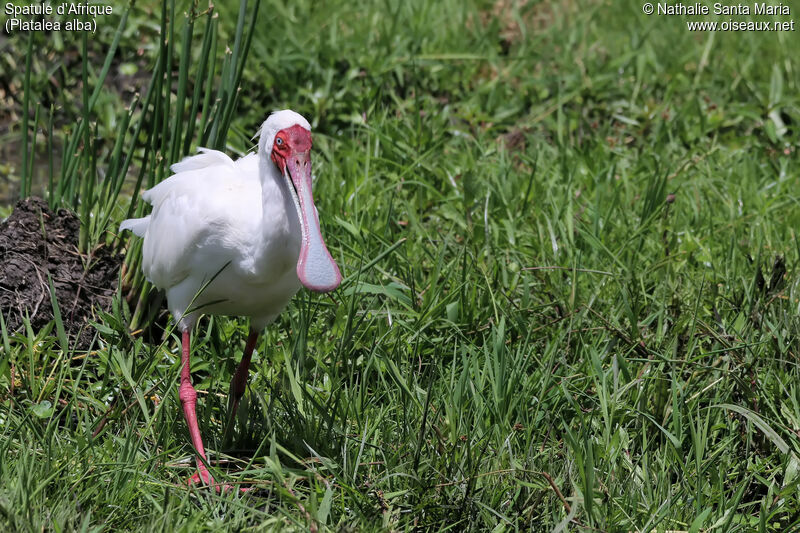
pixel 235 238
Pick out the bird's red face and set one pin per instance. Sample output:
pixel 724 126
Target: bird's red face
pixel 291 142
pixel 291 153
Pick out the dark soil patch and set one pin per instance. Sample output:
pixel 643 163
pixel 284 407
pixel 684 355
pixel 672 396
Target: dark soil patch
pixel 36 243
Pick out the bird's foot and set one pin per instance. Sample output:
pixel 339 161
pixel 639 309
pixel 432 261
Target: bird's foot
pixel 204 477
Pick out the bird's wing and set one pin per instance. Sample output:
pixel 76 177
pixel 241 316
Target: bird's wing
pixel 200 217
pixel 206 158
pixel 207 163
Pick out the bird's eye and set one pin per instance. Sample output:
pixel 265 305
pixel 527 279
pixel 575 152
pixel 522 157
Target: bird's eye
pixel 279 141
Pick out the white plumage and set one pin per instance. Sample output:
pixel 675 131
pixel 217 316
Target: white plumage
pixel 215 212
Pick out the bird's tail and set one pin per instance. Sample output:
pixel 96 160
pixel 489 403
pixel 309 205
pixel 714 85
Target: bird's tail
pixel 137 225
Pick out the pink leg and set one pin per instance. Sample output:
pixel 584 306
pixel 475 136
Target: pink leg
pixel 239 381
pixel 188 398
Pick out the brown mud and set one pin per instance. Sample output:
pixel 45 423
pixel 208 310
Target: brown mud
pixel 36 245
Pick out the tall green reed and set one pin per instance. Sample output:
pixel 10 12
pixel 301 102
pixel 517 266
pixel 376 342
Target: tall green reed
pixel 156 128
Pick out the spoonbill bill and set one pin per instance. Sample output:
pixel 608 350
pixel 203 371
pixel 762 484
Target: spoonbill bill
pixel 235 238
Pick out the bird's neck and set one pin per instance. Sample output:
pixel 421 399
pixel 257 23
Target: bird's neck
pixel 278 209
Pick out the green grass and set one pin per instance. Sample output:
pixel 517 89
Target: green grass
pixel 562 231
